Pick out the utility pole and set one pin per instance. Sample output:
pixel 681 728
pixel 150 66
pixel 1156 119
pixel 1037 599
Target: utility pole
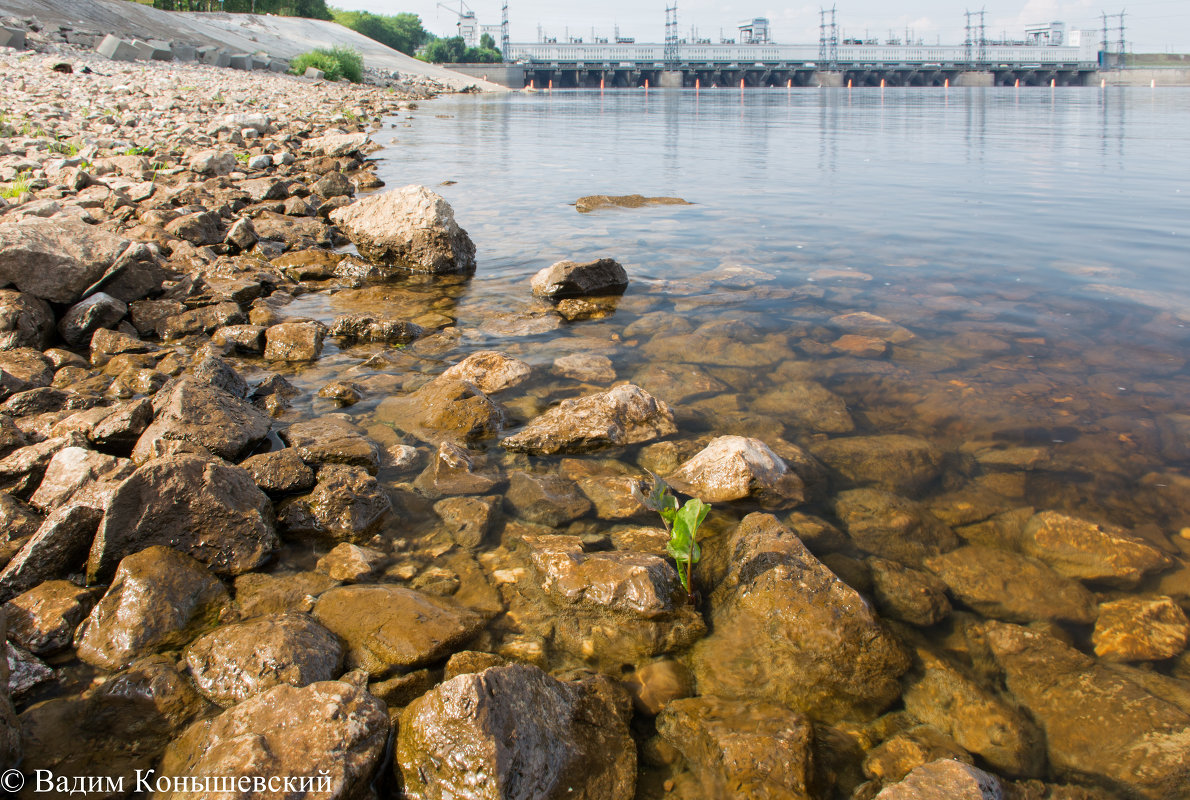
pixel 821 34
pixel 968 41
pixel 983 38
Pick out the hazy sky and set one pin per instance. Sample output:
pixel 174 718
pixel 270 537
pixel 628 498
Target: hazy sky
pixel 1151 25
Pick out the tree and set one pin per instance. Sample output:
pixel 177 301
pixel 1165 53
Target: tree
pixel 402 32
pixel 486 42
pixel 445 51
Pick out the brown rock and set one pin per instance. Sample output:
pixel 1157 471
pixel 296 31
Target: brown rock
pixel 490 371
pixel 624 415
pixel 280 472
pixel 467 518
pixel 896 463
pixel 351 563
pixel 736 467
pixel 200 414
pixel 1140 629
pixel 1088 551
pixel 545 499
pixel 444 410
pixel 294 341
pixel 347 504
pixel 329 440
pixel 410 227
pixel 572 279
pixel 945 780
pixel 43 619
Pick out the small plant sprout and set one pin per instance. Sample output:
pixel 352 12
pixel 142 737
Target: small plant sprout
pixel 681 523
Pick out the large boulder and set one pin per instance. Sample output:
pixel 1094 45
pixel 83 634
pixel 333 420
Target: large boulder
pixel 200 506
pixel 330 440
pixel 736 467
pixel 43 619
pixel 58 548
pixel 200 414
pixel 25 321
pixel 56 260
pixel 410 227
pixel 159 599
pixel 787 630
pixel 571 279
pixel 332 734
pixel 515 733
pixel 1090 551
pixel 621 416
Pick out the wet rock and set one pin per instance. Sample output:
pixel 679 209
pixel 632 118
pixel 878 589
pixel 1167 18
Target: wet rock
pixel 351 563
pixel 572 279
pixel 374 328
pixel 71 470
pixel 892 527
pixel 904 751
pixel 294 341
pixel 490 371
pixel 518 734
pixel 347 504
pixel 655 685
pixel 341 737
pixel 25 321
pixel 824 650
pixel 896 463
pixel 1140 629
pixel 467 518
pixel 23 368
pixel 200 414
pixel 56 260
pixel 389 628
pixel 736 467
pixel 678 383
pixel 119 430
pixel 199 506
pixel 863 323
pixel 467 662
pixel 612 488
pixel 214 371
pixel 21 471
pixel 200 320
pixel 280 472
pixel 908 594
pixel 1088 551
pixel 242 234
pixel 756 750
pixel 235 662
pixel 1100 725
pixel 410 227
pixel 259 594
pixel 545 499
pixel 43 619
pixel 57 548
pixel 17 521
pixel 159 599
pixel 624 415
pixel 444 410
pixel 945 780
pixel 594 202
pixel 586 367
pixel 329 440
pixel 106 344
pixel 243 338
pixel 808 405
pixel 25 670
pixel 454 470
pixel 1008 586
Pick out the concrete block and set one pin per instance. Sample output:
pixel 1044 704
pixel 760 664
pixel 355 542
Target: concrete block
pixel 183 52
pixel 260 63
pixel 977 79
pixel 240 61
pixel 117 49
pixel 144 50
pixel 315 73
pixel 12 37
pixel 214 56
pixel 278 65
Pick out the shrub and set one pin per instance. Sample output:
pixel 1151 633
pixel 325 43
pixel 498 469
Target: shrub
pixel 341 62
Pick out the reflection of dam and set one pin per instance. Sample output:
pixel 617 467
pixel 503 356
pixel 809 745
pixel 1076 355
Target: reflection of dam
pixel 627 65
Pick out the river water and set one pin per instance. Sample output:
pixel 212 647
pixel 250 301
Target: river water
pixel 1029 250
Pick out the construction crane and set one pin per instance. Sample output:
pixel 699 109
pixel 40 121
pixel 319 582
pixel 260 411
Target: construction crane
pixel 468 29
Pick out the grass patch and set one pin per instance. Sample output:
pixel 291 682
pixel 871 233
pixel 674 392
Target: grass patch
pixel 340 62
pixel 17 188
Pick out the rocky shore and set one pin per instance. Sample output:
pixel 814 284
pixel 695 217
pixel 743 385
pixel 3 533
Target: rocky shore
pixel 267 515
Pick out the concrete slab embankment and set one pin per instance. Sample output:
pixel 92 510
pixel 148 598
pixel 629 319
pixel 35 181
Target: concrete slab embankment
pixel 1158 76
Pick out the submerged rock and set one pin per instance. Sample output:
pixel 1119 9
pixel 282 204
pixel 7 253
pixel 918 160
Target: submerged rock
pixel 410 227
pixel 593 202
pixel 908 594
pixel 347 504
pixel 546 499
pixel 444 410
pixel 945 779
pixel 892 527
pixel 1089 551
pixel 572 279
pixel 624 415
pixel 735 467
pixel 454 470
pixel 895 463
pixel 515 733
pixel 1140 629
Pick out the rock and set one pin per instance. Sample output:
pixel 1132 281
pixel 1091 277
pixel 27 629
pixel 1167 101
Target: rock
pixel 490 371
pixel 200 229
pixel 203 415
pixel 347 504
pixel 199 506
pixel 655 685
pixel 545 499
pixel 57 548
pixel 25 670
pixel 73 469
pixel 1008 586
pixel 259 594
pixel 22 470
pixel 335 145
pixel 244 338
pixel 454 470
pixel 808 405
pixel 213 162
pixel 467 518
pixel 822 649
pixel 389 628
pixel 571 279
pixel 621 416
pixel 594 202
pixel 1140 629
pixel 43 619
pixel 892 527
pixel 351 563
pixel 467 662
pixel 444 410
pixel 17 520
pixel 586 367
pixel 1087 551
pixel 280 472
pixel 736 467
pixel 119 430
pixel 863 323
pixel 235 662
pixel 294 341
pixel 25 321
pixel 411 228
pixel 242 234
pixel 23 368
pixel 58 259
pixel 329 440
pixel 341 739
pixel 200 320
pixel 515 733
pixel 908 594
pixel 159 599
pixel 905 750
pixel 374 328
pixel 1100 725
pixel 977 718
pixel 896 463
pixel 106 343
pixel 945 780
pixel 214 371
pixel 755 750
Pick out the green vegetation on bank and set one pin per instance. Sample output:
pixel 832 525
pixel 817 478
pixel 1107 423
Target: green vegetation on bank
pixel 314 9
pixel 339 62
pixel 454 51
pixel 402 32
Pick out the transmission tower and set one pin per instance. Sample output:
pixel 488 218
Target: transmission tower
pixel 671 36
pixel 504 48
pixel 983 37
pixel 968 42
pixel 833 40
pixel 1123 46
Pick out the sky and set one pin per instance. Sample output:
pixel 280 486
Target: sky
pixel 1154 26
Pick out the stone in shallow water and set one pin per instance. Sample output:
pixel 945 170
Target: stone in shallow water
pixel 655 685
pixel 490 371
pixel 545 499
pixel 410 227
pixel 624 415
pixel 351 563
pixel 735 467
pixel 467 518
pixel 1140 629
pixel 294 341
pixel 892 527
pixel 809 405
pixel 896 463
pixel 347 504
pixel 592 202
pixel 572 279
pixel 945 780
pixel 907 594
pixel 515 733
pixel 258 594
pixel 1089 551
pixel 586 367
pixel 906 750
pixel 444 410
pixel 280 472
pixel 454 470
pixel 330 440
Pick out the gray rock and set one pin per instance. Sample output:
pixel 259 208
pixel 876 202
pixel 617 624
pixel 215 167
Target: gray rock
pixel 314 73
pixel 213 162
pixel 515 733
pixel 200 506
pixel 621 416
pixel 159 599
pixel 200 229
pixel 117 49
pixel 736 467
pixel 242 234
pixel 335 145
pixel 10 725
pixel 56 260
pixel 25 670
pixel 410 227
pixel 571 279
pixel 25 321
pixel 203 415
pixel 85 317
